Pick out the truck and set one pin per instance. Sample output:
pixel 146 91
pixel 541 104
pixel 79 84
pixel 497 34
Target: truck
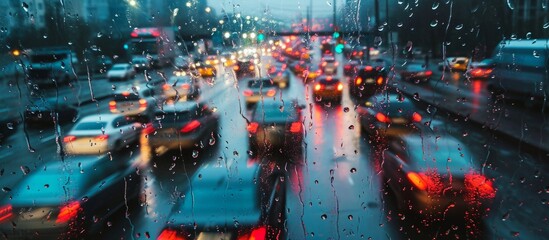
pixel 51 66
pixel 156 44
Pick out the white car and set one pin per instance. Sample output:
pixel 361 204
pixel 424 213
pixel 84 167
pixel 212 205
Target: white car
pixel 101 133
pixel 183 87
pixel 121 71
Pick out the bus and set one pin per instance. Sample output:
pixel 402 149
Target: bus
pixel 157 44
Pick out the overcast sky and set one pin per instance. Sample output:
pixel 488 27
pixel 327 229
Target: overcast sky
pixel 278 8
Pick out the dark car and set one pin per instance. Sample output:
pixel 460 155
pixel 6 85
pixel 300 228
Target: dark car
pixel 369 80
pixel 280 77
pixel 299 67
pixel 259 89
pixel 49 110
pixel 59 202
pixel 328 88
pixel 350 68
pixel 180 125
pixel 276 126
pixel 181 88
pixel 245 67
pixel 227 203
pixel 481 70
pixel 388 114
pixel 416 73
pixel 433 175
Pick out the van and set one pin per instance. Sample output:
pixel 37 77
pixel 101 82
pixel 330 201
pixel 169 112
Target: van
pixel 520 71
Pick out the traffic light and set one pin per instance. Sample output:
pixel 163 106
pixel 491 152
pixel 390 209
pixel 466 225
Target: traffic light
pixel 339 48
pixel 260 37
pixel 336 35
pixel 126 47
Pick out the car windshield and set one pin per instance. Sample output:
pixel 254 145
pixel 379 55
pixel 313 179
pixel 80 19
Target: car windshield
pixel 274 119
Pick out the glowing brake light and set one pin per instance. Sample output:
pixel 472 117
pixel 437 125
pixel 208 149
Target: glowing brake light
pixel 252 127
pixel 149 129
pixel 347 67
pixel 68 139
pixel 125 94
pixel 236 68
pixel 416 117
pixel 251 67
pixel 368 68
pixel 340 86
pixel 479 185
pixel 193 125
pixel 102 137
pixel 68 211
pixel 271 93
pixel 142 103
pixel 417 180
pixel 134 34
pixel 186 86
pixel 168 234
pixel 318 87
pixel 6 212
pixel 166 87
pixel 358 81
pixel 258 234
pixel 382 118
pixel 247 93
pixel 324 64
pixel 295 127
pixel 428 72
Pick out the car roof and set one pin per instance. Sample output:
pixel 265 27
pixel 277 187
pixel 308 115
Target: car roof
pixel 178 107
pixel 103 117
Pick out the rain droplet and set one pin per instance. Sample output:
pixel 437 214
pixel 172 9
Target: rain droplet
pixel 195 153
pixel 329 3
pixel 10 126
pixel 212 141
pixel 346 109
pixel 416 96
pixel 45 36
pixel 353 170
pixel 324 216
pixel 6 189
pixel 400 24
pixel 25 6
pixel 459 26
pixel 505 216
pixel 46 185
pixel 546 25
pixel 99 34
pixel 510 5
pixel 109 224
pixel 351 127
pixel 350 217
pixel 25 170
pixel 400 2
pixel 513 36
pixel 235 153
pixel 528 35
pixel 435 5
pixel 70 43
pixel 434 23
pixel 85 198
pixel 536 54
pixel 281 108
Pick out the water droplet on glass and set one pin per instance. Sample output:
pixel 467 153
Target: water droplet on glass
pixel 434 23
pixel 10 126
pixel 346 109
pixel 416 96
pixel 329 3
pixel 351 127
pixel 109 224
pixel 546 25
pixel 70 43
pixel 536 54
pixel 235 153
pixel 353 170
pixel 505 216
pixel 400 2
pixel 195 154
pixel 99 34
pixel 324 216
pixel 281 108
pixel 25 6
pixel 378 41
pixel 400 24
pixel 85 198
pixel 25 170
pixel 6 189
pixel 46 185
pixel 459 26
pixel 350 217
pixel 528 35
pixel 435 5
pixel 513 36
pixel 511 4
pixel 45 36
pixel 380 28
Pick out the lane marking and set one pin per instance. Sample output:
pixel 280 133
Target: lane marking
pixel 46 139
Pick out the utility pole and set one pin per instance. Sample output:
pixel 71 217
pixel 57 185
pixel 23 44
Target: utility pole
pixel 376 23
pixel 335 15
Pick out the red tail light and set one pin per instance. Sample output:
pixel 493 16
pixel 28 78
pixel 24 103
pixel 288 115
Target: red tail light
pixel 112 105
pixel 271 93
pixel 256 234
pixel 168 234
pixel 252 127
pixel 186 86
pixel 379 80
pixel 340 86
pixel 428 72
pixel 417 181
pixel 236 68
pixel 102 137
pixel 358 81
pixel 347 67
pixel 324 64
pixel 422 181
pixel 68 211
pixel 382 118
pixel 68 139
pixel 149 129
pixel 6 212
pixel 247 93
pixel 318 87
pixel 193 125
pixel 142 103
pixel 166 87
pixel 295 127
pixel 479 185
pixel 251 67
pixel 416 117
pixel 368 68
pixel 134 34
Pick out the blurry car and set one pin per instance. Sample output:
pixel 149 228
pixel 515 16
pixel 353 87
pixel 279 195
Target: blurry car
pixel 228 59
pixel 141 63
pixel 211 60
pixel 280 77
pixel 358 53
pixel 311 73
pixel 136 102
pixel 350 68
pixel 299 67
pixel 329 65
pixel 101 134
pixel 121 71
pixel 183 87
pixel 481 70
pixel 181 125
pixel 252 197
pixel 258 89
pixel 60 202
pixel 369 80
pixel 328 88
pixel 417 73
pixel 429 173
pixel 388 114
pixel 47 111
pixel 454 64
pixel 276 126
pixel 205 70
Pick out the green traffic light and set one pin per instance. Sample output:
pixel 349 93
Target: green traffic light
pixel 260 37
pixel 339 48
pixel 336 34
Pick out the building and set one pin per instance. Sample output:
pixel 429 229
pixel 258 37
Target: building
pixel 529 16
pixel 25 13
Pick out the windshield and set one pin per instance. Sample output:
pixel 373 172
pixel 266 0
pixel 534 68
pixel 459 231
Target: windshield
pixel 274 119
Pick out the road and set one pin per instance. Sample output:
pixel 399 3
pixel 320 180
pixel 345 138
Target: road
pixel 334 190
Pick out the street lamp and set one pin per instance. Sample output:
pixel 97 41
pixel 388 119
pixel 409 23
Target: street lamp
pixel 208 9
pixel 227 35
pixel 221 21
pixel 252 35
pixel 244 35
pixel 188 4
pixel 132 3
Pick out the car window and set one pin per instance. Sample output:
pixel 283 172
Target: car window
pixel 91 126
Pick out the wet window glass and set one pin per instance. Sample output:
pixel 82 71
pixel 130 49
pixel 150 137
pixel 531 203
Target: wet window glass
pixel 274 119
